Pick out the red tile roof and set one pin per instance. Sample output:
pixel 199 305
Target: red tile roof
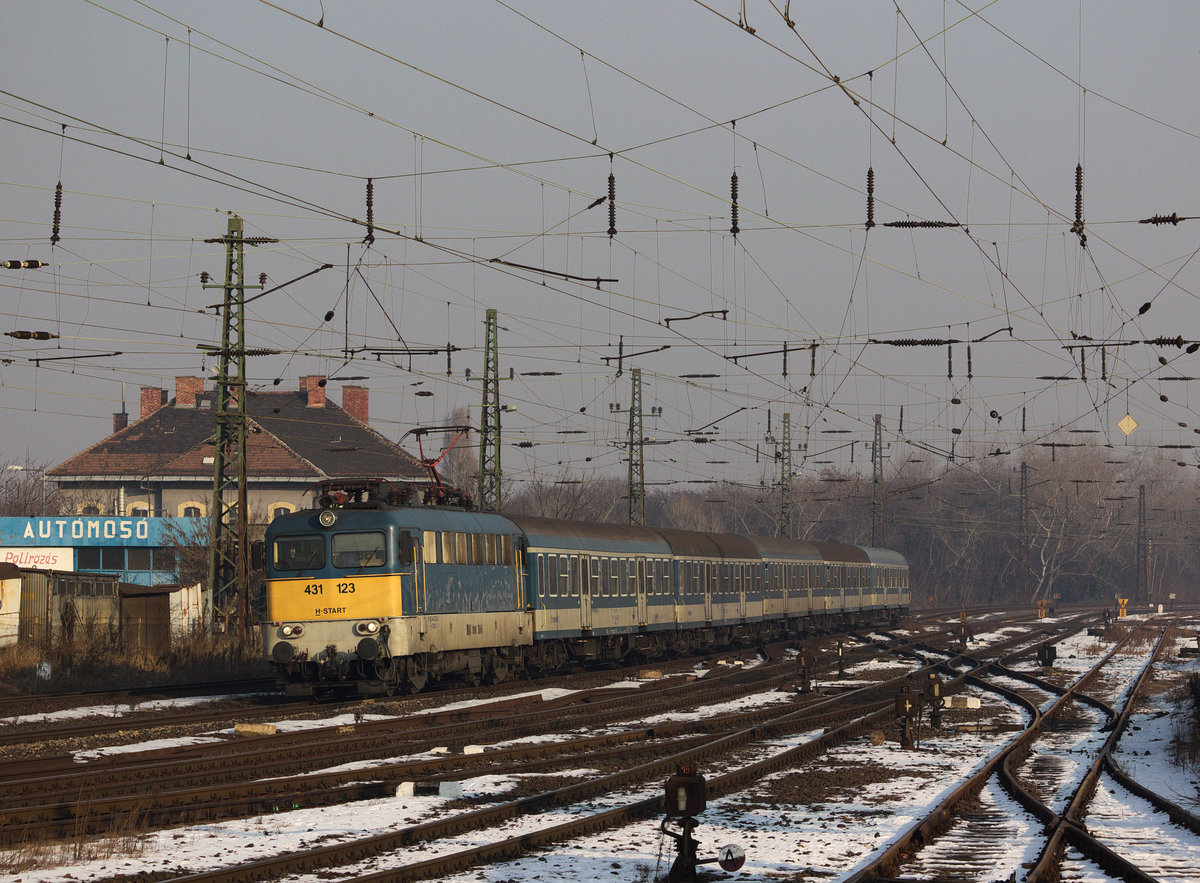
pixel 287 439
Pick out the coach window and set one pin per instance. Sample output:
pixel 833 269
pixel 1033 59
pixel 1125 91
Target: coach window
pixel 551 577
pixel 357 550
pixel 574 577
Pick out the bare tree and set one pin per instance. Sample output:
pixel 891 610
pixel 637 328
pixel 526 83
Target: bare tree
pixel 25 490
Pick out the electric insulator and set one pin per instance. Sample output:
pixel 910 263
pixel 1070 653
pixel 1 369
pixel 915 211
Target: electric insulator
pixel 612 205
pixel 22 265
pixel 1077 227
pixel 913 224
pixel 329 316
pixel 1144 308
pixel 369 239
pixel 31 335
pixel 1172 219
pixel 262 278
pixel 204 277
pixel 970 369
pixel 733 203
pixel 870 197
pixel 54 237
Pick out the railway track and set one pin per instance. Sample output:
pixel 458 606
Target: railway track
pixel 1026 815
pixel 724 744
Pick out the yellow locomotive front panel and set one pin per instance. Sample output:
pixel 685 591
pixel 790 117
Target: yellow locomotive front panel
pixel 340 597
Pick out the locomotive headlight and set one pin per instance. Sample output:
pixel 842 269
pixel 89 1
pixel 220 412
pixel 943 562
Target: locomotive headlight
pixel 327 518
pixel 369 627
pixel 292 631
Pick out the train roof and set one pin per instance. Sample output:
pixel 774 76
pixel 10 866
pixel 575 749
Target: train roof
pixel 412 517
pixel 842 552
pixel 553 533
pixel 787 550
pixel 884 556
pixel 693 544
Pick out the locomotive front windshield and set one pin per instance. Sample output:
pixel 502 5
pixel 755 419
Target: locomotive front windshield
pixel 298 552
pixel 355 550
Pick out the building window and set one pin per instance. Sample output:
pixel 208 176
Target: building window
pixel 112 558
pixel 164 560
pixel 191 509
pixel 139 511
pixel 278 510
pixel 90 510
pixel 89 559
pixel 138 558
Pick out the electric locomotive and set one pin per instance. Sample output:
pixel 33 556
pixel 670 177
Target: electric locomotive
pixel 369 595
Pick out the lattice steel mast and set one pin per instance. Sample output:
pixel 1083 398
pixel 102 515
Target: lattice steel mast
pixel 637 453
pixel 229 547
pixel 489 430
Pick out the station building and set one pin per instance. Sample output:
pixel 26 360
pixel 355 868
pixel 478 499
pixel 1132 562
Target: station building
pixel 144 492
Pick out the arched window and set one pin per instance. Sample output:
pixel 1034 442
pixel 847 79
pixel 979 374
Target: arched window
pixel 280 509
pixel 139 510
pixel 90 510
pixel 190 509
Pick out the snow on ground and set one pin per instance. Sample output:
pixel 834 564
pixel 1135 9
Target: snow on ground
pixel 120 709
pixel 824 841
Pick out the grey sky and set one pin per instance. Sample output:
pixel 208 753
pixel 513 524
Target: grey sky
pixel 487 129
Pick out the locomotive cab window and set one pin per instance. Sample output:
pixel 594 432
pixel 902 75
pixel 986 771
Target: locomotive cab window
pixel 405 549
pixel 298 552
pixel 356 550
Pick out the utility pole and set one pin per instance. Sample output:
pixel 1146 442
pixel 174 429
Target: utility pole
pixel 877 537
pixel 637 452
pixel 489 430
pixel 229 547
pixel 787 511
pixel 1141 588
pixel 1024 554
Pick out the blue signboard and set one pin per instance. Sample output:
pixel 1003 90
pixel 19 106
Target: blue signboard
pixel 138 549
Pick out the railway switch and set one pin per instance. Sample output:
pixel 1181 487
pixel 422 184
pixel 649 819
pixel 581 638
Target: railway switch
pixel 1046 654
pixel 935 699
pixel 684 800
pixel 908 707
pixel 804 660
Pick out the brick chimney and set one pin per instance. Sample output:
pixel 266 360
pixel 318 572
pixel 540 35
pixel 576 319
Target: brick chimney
pixel 186 390
pixel 153 398
pixel 355 402
pixel 315 386
pixel 120 421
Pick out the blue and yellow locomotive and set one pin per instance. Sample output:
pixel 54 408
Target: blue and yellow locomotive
pixel 370 597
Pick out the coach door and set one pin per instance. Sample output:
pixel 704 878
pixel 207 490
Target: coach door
pixel 639 589
pixel 589 569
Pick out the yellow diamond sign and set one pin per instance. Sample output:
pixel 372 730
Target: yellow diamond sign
pixel 1127 424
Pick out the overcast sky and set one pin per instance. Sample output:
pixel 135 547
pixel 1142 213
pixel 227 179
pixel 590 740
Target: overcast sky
pixel 489 130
